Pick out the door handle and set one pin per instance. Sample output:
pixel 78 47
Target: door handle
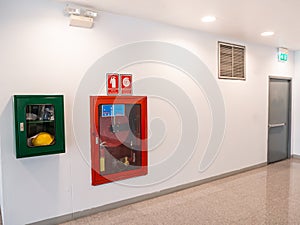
pixel 22 127
pixel 276 125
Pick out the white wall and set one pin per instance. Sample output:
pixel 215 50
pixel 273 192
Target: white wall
pixel 40 53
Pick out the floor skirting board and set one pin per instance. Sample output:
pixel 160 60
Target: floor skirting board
pixel 296 156
pixel 77 215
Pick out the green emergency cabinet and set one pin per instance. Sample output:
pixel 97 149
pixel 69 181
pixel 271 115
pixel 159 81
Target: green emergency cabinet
pixel 39 125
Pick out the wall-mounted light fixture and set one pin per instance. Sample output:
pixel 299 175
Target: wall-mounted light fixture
pixel 80 16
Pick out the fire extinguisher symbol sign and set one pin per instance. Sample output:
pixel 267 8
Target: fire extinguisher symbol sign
pixel 112 83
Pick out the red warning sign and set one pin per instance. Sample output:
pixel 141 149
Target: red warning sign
pixel 126 84
pixel 112 83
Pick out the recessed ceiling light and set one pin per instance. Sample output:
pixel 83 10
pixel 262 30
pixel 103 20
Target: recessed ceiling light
pixel 267 33
pixel 208 19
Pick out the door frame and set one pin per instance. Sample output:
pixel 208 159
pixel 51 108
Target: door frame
pixel 290 80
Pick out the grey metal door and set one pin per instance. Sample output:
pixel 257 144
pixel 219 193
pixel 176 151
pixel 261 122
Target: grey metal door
pixel 279 119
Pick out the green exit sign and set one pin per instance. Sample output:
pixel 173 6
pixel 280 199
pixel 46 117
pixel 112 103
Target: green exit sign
pixel 283 54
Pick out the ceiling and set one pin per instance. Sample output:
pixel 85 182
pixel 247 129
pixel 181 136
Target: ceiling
pixel 241 19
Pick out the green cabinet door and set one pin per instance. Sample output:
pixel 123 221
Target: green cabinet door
pixel 39 125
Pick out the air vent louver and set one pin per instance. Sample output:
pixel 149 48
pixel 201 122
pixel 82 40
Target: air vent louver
pixel 231 61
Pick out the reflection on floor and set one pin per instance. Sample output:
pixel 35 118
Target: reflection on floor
pixel 268 195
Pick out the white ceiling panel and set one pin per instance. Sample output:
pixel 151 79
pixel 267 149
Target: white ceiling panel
pixel 239 19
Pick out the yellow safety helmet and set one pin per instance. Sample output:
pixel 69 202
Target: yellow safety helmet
pixel 42 139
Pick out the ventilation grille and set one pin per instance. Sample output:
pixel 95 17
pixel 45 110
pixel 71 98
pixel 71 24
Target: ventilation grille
pixel 231 61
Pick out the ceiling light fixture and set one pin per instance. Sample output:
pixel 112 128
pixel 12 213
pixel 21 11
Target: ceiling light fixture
pixel 208 19
pixel 80 16
pixel 267 33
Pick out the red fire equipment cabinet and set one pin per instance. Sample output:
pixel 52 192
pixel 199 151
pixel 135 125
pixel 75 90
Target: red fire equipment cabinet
pixel 118 138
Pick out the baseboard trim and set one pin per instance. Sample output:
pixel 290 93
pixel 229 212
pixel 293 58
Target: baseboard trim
pixel 88 212
pixel 296 156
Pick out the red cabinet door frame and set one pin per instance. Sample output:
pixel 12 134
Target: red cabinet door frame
pixel 95 101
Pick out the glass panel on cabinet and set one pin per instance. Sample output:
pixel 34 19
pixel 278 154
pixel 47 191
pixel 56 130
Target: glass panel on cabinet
pixel 120 141
pixel 40 122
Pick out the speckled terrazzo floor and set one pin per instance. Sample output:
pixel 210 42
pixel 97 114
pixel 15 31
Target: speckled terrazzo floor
pixel 268 195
